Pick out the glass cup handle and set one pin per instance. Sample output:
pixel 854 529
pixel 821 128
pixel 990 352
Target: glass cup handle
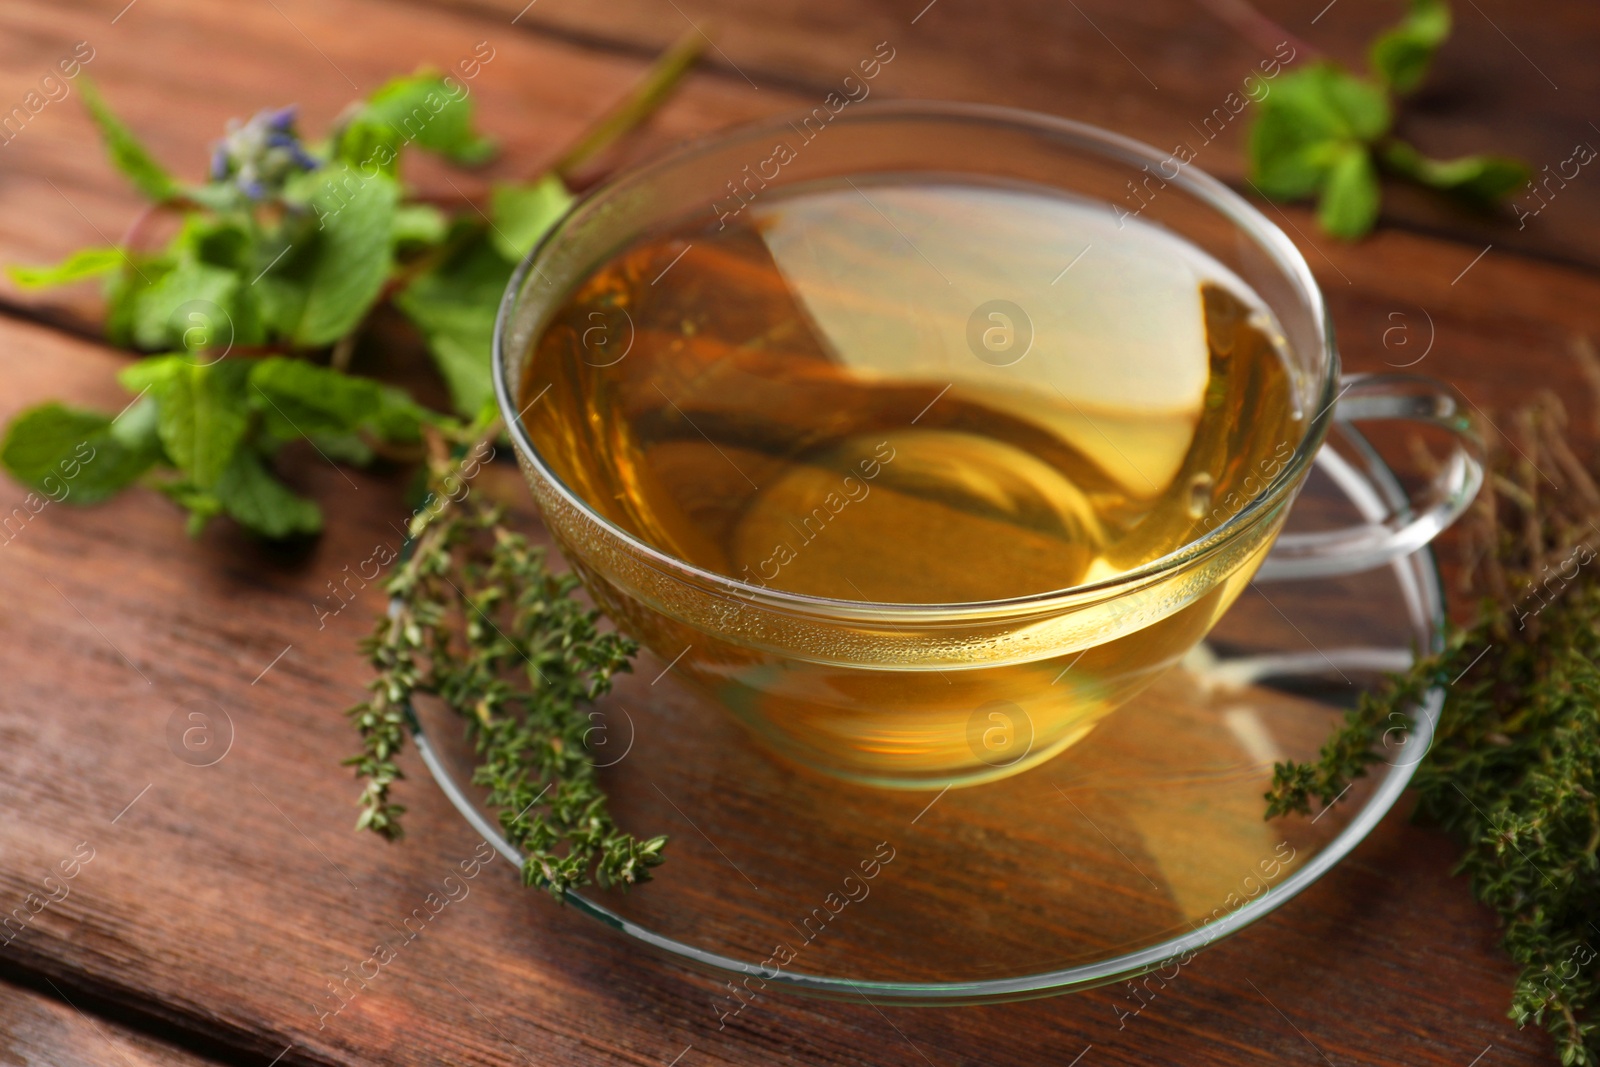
pixel 1389 533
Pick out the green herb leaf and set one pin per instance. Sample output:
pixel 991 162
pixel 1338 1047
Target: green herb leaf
pixel 343 448
pixel 399 419
pixel 127 154
pixel 524 213
pixel 1306 126
pixel 454 305
pixel 529 723
pixel 124 291
pixel 190 307
pixel 1401 57
pixel 1349 203
pixel 426 109
pixel 1513 768
pixel 201 408
pixel 201 504
pixel 84 263
pixel 338 278
pixel 419 224
pixel 1482 178
pixel 258 501
pixel 300 399
pixel 73 455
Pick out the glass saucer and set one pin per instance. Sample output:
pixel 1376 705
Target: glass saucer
pixel 1143 842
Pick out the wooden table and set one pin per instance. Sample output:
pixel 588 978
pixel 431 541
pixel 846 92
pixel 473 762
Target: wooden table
pixel 219 900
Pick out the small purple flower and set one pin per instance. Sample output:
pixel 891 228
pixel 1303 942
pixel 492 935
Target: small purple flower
pixel 260 155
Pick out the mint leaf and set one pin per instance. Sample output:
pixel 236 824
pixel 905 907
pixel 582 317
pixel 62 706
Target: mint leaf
pixel 1303 128
pixel 399 418
pixel 250 494
pixel 124 290
pixel 1290 149
pixel 1483 178
pixel 84 263
pixel 202 413
pixel 300 399
pixel 454 306
pixel 343 448
pixel 71 454
pixel 524 213
pixel 191 307
pixel 1349 203
pixel 426 109
pixel 127 154
pixel 149 372
pixel 138 427
pixel 1401 57
pixel 421 224
pixel 1361 106
pixel 201 504
pixel 342 273
pixel 1315 135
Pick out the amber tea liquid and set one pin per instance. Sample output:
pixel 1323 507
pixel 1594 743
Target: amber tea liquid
pixel 909 392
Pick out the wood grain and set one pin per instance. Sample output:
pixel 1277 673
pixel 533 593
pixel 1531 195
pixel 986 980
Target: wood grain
pixel 45 1031
pixel 222 899
pixel 1157 70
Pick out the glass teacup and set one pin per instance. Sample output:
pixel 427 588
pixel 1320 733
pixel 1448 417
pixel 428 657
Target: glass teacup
pixel 932 695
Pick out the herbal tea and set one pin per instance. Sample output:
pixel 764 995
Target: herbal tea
pixel 917 393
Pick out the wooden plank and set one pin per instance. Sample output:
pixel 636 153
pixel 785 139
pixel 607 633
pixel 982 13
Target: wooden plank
pixel 58 193
pixel 1512 80
pixel 222 899
pixel 41 1031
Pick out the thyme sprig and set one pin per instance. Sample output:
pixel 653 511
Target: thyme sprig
pixel 1514 769
pixel 477 620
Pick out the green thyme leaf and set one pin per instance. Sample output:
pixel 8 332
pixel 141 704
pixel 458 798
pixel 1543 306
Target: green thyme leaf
pixel 127 154
pixel 1401 57
pixel 524 213
pixel 523 684
pixel 1513 770
pixel 73 455
pixel 82 264
pixel 250 494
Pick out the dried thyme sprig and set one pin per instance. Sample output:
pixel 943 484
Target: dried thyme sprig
pixel 477 620
pixel 1514 770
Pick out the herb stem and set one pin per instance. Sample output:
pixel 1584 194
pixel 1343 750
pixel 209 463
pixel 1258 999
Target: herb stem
pixel 642 101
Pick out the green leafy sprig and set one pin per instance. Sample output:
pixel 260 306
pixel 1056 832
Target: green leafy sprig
pixel 478 621
pixel 1514 769
pixel 1327 133
pixel 252 311
pixel 255 306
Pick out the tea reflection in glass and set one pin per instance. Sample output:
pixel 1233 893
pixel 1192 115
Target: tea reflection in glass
pixel 898 391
